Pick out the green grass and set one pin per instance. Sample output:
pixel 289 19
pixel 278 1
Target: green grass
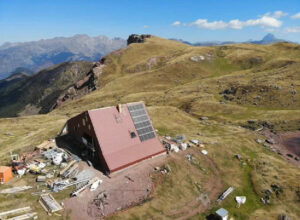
pixel 178 92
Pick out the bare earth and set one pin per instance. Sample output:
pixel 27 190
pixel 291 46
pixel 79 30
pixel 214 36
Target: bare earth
pixel 133 186
pixel 124 189
pixel 286 144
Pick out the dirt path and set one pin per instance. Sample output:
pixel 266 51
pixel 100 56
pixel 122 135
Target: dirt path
pixel 286 144
pixel 203 202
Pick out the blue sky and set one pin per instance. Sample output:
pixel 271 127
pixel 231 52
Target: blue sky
pixel 225 20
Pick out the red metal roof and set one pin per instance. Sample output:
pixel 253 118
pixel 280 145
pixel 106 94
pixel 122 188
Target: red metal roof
pixel 112 128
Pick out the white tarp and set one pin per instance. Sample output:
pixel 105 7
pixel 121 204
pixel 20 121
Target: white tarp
pixel 95 185
pixel 240 199
pixel 204 152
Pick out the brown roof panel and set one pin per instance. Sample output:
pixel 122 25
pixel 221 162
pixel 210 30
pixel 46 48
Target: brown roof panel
pixel 113 130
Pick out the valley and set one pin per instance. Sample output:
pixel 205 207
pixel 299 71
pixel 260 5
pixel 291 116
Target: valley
pixel 226 96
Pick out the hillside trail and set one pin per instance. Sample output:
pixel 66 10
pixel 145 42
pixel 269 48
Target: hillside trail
pixel 203 202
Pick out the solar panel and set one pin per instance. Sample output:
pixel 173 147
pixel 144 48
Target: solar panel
pixel 141 122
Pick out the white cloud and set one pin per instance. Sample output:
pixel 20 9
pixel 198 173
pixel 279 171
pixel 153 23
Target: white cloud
pixel 235 24
pixel 292 29
pixel 145 26
pixel 264 21
pixel 296 16
pixel 277 14
pixel 203 23
pixel 176 23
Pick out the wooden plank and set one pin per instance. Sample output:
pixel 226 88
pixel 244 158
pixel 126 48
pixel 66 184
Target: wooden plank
pixel 24 217
pixel 14 211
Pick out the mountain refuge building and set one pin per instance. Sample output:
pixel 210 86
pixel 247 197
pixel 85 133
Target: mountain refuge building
pixel 117 136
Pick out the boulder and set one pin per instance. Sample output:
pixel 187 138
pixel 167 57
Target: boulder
pixel 135 38
pixel 283 217
pixel 271 141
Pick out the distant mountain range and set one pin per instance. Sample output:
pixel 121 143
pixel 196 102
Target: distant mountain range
pixel 36 55
pixel 268 39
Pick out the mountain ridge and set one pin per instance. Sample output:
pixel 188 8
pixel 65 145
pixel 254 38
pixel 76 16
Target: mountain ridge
pixel 37 55
pixel 267 39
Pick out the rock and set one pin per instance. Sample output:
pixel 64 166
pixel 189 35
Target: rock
pixel 259 141
pixel 270 141
pixel 189 157
pixel 294 92
pixel 157 168
pixel 297 158
pixel 9 134
pixel 230 91
pixel 197 58
pixel 267 191
pixel 168 168
pixel 228 97
pixel 203 118
pixel 284 217
pixel 289 155
pixel 251 121
pixel 277 87
pixel 135 38
pixel 263 200
pixel 237 156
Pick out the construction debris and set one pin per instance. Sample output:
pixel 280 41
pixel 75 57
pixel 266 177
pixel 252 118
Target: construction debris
pixel 183 146
pixel 56 155
pixel 225 194
pixel 222 214
pixel 46 145
pixel 194 141
pixel 5 174
pixel 67 168
pixel 82 187
pixel 101 201
pixel 41 179
pixel 59 185
pixel 95 185
pixel 179 139
pixel 24 216
pixel 49 203
pixel 4 215
pixel 15 189
pixel 174 148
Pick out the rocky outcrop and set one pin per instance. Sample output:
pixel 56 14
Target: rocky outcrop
pixel 135 38
pixel 84 86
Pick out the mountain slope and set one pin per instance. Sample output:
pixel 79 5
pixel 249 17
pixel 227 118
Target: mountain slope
pixel 180 84
pixel 41 54
pixel 23 94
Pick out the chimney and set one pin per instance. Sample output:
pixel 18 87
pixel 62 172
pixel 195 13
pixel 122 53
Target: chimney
pixel 119 107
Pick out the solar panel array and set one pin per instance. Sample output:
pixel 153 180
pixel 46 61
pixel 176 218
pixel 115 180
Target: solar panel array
pixel 141 121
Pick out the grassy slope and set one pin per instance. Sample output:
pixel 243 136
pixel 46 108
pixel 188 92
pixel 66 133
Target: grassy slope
pixel 178 91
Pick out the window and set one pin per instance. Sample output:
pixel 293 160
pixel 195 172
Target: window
pixel 83 122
